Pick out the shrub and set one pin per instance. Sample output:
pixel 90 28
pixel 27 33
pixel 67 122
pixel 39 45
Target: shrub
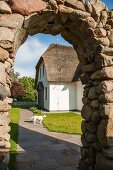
pixel 36 111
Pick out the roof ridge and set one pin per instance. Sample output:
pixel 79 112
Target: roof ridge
pixel 54 44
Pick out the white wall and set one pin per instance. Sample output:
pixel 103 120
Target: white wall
pixel 62 96
pixel 67 96
pixel 43 79
pixel 79 95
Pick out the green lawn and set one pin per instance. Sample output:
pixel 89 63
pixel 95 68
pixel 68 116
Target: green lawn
pixel 63 122
pixel 14 117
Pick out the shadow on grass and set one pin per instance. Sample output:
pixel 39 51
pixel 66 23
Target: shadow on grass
pixel 14 141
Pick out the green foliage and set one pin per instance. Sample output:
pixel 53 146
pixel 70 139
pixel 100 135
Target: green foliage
pixel 14 118
pixel 64 123
pixel 17 90
pixel 29 91
pixel 27 83
pixel 36 111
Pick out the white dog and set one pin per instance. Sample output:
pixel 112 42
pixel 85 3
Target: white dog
pixel 39 118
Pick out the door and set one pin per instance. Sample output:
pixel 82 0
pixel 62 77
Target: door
pixel 40 95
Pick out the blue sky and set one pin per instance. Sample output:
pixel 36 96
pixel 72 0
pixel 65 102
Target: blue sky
pixel 30 52
pixel 109 3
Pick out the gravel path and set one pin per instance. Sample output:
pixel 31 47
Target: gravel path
pixel 39 149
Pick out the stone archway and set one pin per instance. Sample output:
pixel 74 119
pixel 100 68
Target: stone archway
pixel 88 26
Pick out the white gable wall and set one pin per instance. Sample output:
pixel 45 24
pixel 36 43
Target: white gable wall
pixel 62 96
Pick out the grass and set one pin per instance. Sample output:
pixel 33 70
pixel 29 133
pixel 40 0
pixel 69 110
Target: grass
pixel 69 123
pixel 14 117
pixel 61 122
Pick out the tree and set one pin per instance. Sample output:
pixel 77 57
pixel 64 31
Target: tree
pixel 29 91
pixel 17 90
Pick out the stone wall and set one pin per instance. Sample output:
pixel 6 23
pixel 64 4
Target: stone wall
pixel 88 26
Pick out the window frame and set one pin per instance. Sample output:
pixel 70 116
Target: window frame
pixel 46 93
pixel 43 69
pixel 40 72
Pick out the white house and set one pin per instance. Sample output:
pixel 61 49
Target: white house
pixel 57 79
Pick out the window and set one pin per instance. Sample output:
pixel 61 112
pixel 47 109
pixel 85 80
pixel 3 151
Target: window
pixel 45 93
pixel 43 69
pixel 40 73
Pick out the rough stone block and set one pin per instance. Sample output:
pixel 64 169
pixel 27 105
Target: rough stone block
pixel 83 165
pixel 2 155
pixel 3 55
pixel 6 44
pixel 111 38
pixel 6 128
pixel 91 127
pixel 94 103
pixel 103 60
pixel 103 17
pixel 8 100
pixel 83 126
pixel 6 137
pixel 3 92
pixel 85 92
pixel 4 107
pixel 6 34
pixel 52 4
pixel 106 98
pixel 89 67
pixel 2 144
pixel 84 142
pixel 85 100
pixel 98 7
pixel 103 163
pixel 92 93
pixel 7 66
pixel 7 158
pixel 95 118
pixel 100 32
pixel 5 8
pixel 105 73
pixel 65 9
pixel 104 86
pixel 106 110
pixel 2 74
pixel 85 152
pixel 79 14
pixel 8 145
pixel 104 41
pixel 90 137
pixel 110 22
pixel 75 4
pixel 108 152
pixel 107 51
pixel 105 133
pixel 91 22
pixel 86 112
pixel 11 21
pixel 84 78
pixel 27 7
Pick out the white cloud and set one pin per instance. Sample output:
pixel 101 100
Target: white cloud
pixel 28 56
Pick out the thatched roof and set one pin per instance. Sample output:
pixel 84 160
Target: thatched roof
pixel 61 64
